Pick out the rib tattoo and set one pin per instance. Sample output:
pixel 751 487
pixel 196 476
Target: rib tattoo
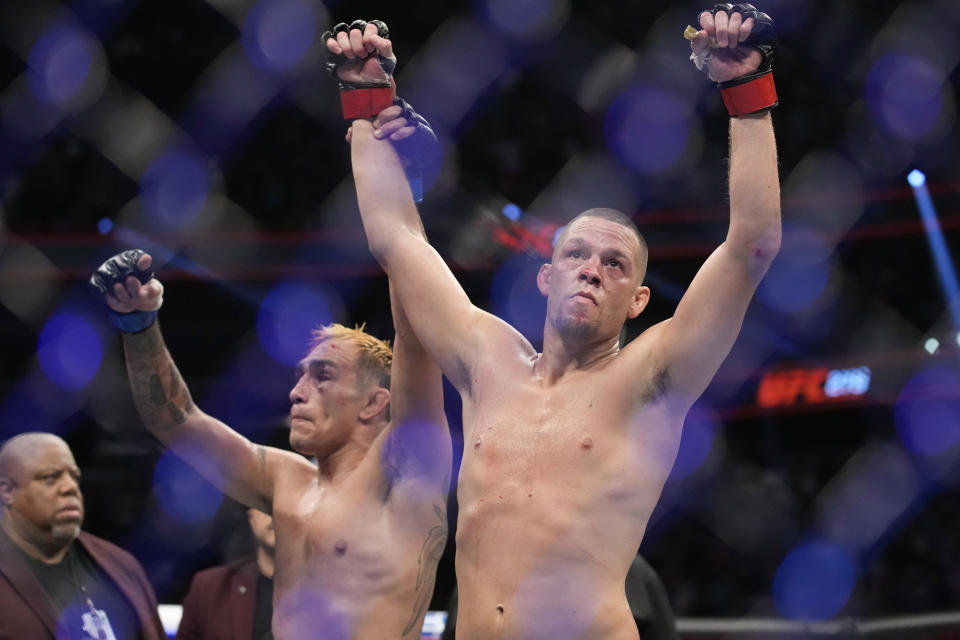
pixel 430 554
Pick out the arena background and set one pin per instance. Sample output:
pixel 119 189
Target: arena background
pixel 818 475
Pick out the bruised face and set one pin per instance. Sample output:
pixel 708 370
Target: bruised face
pixel 593 283
pixel 329 399
pixel 41 492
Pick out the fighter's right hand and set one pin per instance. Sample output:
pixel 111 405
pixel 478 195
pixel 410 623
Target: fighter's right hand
pixel 127 286
pixel 360 56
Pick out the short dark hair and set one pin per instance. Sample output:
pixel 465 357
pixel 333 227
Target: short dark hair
pixel 617 217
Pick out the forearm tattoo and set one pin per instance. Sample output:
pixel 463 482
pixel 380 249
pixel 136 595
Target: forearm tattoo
pixel 430 554
pixel 158 389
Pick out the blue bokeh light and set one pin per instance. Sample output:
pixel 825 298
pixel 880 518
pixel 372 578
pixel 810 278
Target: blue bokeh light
pixel 59 64
pixel 928 411
pixel 916 178
pixel 793 285
pixel 182 492
pixel 288 315
pixel 69 350
pixel 512 211
pixel 905 95
pixel 174 188
pixel 514 296
pixel 696 443
pixel 648 129
pixel 530 19
pixel 104 226
pixel 277 34
pixel 814 581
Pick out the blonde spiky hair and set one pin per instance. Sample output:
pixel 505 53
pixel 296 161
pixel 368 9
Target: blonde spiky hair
pixel 375 356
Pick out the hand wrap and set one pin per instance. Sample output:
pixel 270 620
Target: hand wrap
pixel 420 152
pixel 118 269
pixel 755 91
pixel 360 99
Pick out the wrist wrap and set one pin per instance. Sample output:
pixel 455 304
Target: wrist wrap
pixel 751 93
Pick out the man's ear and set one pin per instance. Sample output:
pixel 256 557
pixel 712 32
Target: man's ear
pixel 640 299
pixel 377 401
pixel 543 279
pixel 6 491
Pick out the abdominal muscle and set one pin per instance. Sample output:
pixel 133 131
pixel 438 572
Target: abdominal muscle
pixel 542 553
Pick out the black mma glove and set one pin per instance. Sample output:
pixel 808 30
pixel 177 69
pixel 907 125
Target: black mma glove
pixel 420 151
pixel 755 91
pixel 118 269
pixel 360 99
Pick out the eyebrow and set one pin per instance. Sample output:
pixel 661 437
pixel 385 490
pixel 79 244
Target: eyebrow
pixel 303 365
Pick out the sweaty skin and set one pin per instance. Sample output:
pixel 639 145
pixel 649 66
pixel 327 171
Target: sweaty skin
pixel 566 452
pixel 359 535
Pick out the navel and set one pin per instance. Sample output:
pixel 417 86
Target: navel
pixel 340 547
pixel 500 609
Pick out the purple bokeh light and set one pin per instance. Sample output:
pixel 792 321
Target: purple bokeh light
pixel 928 411
pixel 174 188
pixel 69 350
pixel 800 273
pixel 696 443
pixel 182 492
pixel 288 315
pixel 277 34
pixel 60 66
pixel 648 129
pixel 529 19
pixel 814 581
pixel 905 95
pixel 514 296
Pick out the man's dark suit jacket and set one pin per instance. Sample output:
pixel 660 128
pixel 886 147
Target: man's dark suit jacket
pixel 220 603
pixel 26 612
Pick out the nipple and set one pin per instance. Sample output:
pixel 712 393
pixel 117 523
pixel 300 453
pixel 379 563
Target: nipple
pixel 586 443
pixel 476 445
pixel 340 547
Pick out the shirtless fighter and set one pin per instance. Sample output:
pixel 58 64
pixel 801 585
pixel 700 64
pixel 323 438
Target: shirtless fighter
pixel 359 534
pixel 566 452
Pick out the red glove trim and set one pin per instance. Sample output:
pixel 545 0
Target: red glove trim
pixel 365 103
pixel 752 96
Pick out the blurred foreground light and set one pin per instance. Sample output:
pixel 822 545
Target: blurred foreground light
pixel 288 315
pixel 174 188
pixel 916 178
pixel 512 211
pixel 105 226
pixel 905 95
pixel 182 492
pixel 514 296
pixel 647 129
pixel 696 443
pixel 535 20
pixel 277 34
pixel 814 581
pixel 65 67
pixel 931 345
pixel 69 350
pixel 928 411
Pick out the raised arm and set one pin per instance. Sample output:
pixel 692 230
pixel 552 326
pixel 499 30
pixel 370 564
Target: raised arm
pixel 694 343
pixel 237 466
pixel 448 326
pixel 417 443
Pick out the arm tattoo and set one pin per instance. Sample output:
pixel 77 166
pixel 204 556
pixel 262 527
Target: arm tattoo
pixel 158 389
pixel 430 554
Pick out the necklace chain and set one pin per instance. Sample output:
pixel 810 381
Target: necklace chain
pixel 74 560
